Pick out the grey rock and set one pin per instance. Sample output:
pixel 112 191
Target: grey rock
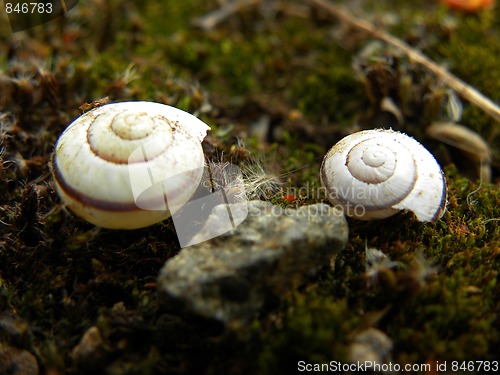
pixel 230 277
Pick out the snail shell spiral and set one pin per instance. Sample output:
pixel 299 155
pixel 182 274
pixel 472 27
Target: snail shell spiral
pixel 117 165
pixel 373 174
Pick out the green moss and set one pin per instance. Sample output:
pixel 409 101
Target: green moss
pixel 472 46
pixel 314 322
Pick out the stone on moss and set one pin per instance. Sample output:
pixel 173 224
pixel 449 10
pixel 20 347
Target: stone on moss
pixel 231 277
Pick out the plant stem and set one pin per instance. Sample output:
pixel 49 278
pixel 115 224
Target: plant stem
pixel 461 88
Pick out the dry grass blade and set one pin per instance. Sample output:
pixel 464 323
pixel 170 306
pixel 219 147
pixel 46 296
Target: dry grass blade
pixel 463 89
pixel 212 19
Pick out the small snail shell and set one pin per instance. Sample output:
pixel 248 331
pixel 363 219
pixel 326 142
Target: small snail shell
pixel 116 165
pixel 471 143
pixel 373 174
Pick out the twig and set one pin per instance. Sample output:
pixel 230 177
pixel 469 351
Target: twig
pixel 212 19
pixel 463 89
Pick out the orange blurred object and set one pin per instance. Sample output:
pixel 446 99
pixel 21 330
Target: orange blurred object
pixel 469 5
pixel 290 198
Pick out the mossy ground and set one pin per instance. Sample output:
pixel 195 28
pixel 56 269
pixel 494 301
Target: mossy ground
pixel 60 275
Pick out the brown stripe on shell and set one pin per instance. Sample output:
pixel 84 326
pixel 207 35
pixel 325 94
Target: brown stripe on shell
pixel 87 200
pixel 442 204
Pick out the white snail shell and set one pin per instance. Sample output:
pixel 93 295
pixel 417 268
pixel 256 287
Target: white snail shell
pixel 373 174
pixel 110 165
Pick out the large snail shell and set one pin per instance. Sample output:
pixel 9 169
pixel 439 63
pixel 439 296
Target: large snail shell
pixel 373 174
pixel 117 165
